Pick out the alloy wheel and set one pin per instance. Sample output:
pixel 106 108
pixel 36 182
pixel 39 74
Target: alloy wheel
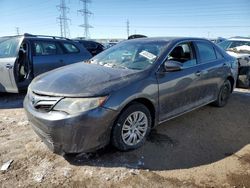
pixel 134 128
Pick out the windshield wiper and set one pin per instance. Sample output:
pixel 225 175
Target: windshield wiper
pixel 111 65
pixel 120 66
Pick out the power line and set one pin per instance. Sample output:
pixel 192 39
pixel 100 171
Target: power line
pixel 85 13
pixel 63 19
pixel 17 30
pixel 169 26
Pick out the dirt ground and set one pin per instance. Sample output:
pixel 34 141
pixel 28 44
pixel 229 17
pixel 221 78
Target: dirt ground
pixel 209 147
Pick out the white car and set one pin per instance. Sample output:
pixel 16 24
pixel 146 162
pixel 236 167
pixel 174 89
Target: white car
pixel 239 48
pixel 234 42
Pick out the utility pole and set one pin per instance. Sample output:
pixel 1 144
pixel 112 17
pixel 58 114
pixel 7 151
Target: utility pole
pixel 127 27
pixel 208 34
pixel 63 19
pixel 85 13
pixel 17 30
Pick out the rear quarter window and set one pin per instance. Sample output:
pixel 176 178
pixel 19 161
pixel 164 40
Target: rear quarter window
pixel 206 52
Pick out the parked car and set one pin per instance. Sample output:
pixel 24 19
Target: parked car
pixel 135 36
pixel 217 40
pixel 93 47
pixel 234 42
pixel 110 44
pixel 125 91
pixel 239 47
pixel 24 57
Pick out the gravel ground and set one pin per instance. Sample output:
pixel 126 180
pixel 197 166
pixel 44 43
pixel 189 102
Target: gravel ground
pixel 209 147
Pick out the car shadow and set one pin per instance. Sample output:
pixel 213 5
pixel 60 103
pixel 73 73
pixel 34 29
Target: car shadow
pixel 12 100
pixel 201 137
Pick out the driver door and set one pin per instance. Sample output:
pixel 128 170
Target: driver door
pixel 179 90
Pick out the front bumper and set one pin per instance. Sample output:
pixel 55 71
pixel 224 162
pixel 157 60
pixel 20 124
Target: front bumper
pixel 64 133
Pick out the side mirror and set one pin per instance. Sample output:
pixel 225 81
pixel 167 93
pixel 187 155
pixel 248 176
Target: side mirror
pixel 171 66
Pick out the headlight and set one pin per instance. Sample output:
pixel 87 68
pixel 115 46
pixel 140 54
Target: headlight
pixel 78 105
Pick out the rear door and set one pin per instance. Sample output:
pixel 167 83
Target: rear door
pixel 9 48
pixel 47 55
pixel 213 70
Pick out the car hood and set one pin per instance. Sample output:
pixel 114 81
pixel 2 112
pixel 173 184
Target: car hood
pixel 82 80
pixel 238 55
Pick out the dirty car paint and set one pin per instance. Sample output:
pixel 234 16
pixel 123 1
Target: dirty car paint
pixel 166 95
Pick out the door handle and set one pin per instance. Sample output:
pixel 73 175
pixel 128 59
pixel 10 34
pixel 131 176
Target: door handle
pixel 9 66
pixel 198 73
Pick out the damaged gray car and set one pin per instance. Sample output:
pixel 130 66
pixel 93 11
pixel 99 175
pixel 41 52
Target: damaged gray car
pixel 122 93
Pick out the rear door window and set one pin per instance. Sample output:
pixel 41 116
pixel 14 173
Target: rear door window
pixel 206 52
pixel 46 48
pixel 70 48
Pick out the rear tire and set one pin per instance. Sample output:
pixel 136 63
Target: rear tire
pixel 131 127
pixel 224 94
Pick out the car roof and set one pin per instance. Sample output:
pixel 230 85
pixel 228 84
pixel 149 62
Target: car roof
pixel 43 37
pixel 240 39
pixel 148 39
pixel 83 40
pixel 168 39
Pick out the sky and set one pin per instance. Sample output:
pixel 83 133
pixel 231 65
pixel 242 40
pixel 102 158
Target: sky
pixel 191 18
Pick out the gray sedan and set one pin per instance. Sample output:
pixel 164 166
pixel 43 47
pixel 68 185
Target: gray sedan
pixel 122 93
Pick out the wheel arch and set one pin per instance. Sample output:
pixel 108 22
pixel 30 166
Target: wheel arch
pixel 147 103
pixel 231 80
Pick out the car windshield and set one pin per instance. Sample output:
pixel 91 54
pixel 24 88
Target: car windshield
pixel 136 55
pixel 224 44
pixel 232 44
pixel 8 47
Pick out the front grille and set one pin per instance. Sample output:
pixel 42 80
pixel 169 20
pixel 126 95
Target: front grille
pixel 43 103
pixel 45 108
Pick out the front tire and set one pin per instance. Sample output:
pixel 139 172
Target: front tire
pixel 224 94
pixel 131 127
